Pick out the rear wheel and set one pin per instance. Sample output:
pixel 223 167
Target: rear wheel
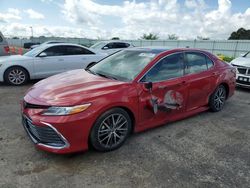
pixel 16 76
pixel 111 130
pixel 218 98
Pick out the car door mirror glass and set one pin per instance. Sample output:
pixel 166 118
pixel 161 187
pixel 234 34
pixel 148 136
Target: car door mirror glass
pixel 43 54
pixel 105 48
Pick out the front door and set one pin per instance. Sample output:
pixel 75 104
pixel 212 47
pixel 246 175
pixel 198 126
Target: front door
pixel 168 97
pixel 51 64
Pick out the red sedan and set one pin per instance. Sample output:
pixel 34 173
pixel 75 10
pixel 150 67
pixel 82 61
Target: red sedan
pixel 130 91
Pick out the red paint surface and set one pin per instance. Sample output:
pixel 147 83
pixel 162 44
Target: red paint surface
pixel 79 87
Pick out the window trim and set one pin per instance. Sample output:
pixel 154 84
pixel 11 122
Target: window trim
pixel 139 80
pixel 202 53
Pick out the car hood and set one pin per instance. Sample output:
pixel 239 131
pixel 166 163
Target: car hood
pixel 13 58
pixel 241 61
pixel 71 88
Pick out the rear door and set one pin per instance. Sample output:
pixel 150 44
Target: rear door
pixel 170 90
pixel 200 75
pixel 52 64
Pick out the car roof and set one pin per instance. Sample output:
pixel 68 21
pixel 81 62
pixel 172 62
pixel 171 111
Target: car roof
pixel 116 41
pixel 160 49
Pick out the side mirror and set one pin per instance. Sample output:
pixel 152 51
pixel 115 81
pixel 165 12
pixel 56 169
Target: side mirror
pixel 105 48
pixel 149 86
pixel 43 54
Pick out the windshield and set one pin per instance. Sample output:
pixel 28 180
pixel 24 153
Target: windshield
pixel 98 45
pixel 35 51
pixel 124 65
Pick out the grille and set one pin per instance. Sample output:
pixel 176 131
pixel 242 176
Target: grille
pixel 45 135
pixel 242 69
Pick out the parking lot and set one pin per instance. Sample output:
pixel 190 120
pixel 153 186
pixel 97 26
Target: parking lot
pixel 207 150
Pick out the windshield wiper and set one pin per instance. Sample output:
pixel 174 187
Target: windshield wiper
pixel 106 76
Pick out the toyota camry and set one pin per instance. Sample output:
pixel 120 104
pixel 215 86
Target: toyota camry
pixel 130 91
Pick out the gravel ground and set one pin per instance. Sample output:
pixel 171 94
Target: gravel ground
pixel 206 150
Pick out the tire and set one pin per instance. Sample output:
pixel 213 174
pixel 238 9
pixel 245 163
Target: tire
pixel 218 98
pixel 16 76
pixel 111 130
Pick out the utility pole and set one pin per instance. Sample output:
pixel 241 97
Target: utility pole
pixel 31 28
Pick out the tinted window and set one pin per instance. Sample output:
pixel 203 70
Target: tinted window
pixel 196 62
pixel 168 68
pixel 55 51
pixel 75 50
pixel 110 45
pixel 1 39
pixel 120 45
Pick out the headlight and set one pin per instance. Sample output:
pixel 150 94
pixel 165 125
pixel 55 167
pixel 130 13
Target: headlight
pixel 60 111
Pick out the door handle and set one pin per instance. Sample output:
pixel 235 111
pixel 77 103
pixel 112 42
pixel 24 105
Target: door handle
pixel 60 59
pixel 162 87
pixel 182 83
pixel 214 74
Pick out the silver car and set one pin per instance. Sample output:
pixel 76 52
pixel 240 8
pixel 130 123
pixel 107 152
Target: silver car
pixel 4 47
pixel 111 47
pixel 242 64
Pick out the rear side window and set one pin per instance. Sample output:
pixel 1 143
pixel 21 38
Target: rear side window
pixel 168 68
pixel 196 62
pixel 75 50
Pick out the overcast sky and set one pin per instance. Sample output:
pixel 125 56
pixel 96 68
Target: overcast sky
pixel 129 19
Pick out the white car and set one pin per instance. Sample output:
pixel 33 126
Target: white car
pixel 111 46
pixel 45 61
pixel 242 64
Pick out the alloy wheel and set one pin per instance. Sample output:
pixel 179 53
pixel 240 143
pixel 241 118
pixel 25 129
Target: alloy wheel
pixel 219 98
pixel 17 76
pixel 113 130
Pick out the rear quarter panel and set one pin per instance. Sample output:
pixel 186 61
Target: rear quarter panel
pixel 226 74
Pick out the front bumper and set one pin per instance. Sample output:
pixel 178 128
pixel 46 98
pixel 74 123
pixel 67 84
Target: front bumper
pixel 243 80
pixel 58 134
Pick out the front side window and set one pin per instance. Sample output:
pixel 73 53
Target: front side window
pixel 168 68
pixel 124 65
pixel 196 62
pixel 121 45
pixel 55 51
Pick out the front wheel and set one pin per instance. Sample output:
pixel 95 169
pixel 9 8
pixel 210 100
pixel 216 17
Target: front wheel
pixel 16 76
pixel 111 130
pixel 218 98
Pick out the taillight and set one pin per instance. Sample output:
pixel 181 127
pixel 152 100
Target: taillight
pixel 7 49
